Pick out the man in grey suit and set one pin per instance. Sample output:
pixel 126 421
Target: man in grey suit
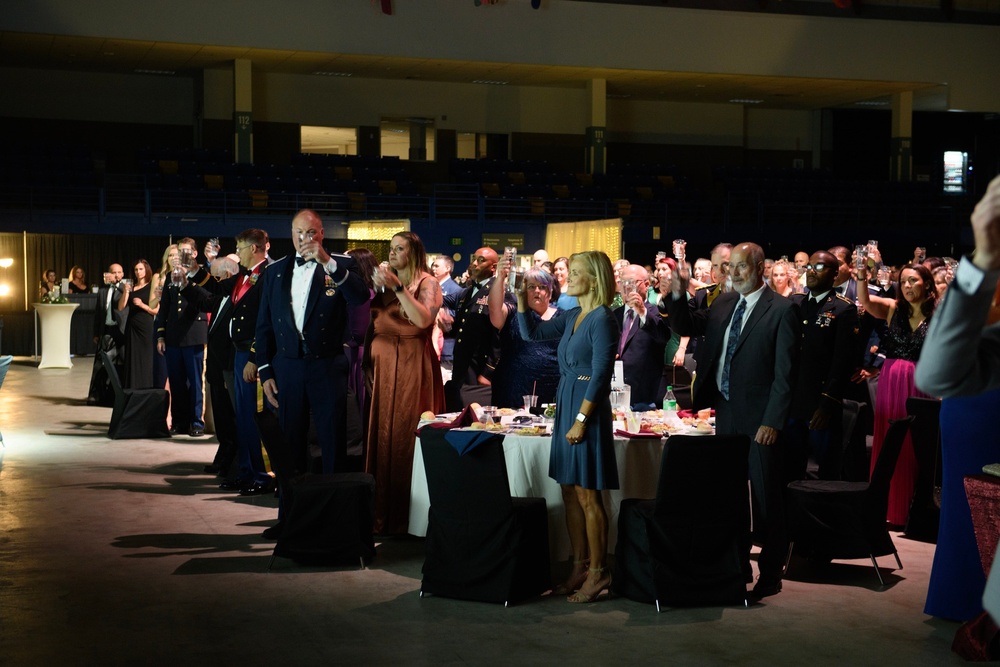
pixel 745 372
pixel 961 354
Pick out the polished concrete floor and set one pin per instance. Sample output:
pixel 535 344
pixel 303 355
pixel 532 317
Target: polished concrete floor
pixel 125 553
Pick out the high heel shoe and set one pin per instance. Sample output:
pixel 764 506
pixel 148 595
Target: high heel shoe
pixel 575 579
pixel 581 597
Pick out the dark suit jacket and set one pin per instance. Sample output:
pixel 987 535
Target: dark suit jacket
pixel 477 342
pixel 243 314
pixel 325 329
pixel 826 352
pixel 642 356
pixel 761 373
pixel 117 316
pixel 219 353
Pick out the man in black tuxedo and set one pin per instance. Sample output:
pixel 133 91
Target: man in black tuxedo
pixel 477 342
pixel 299 344
pixel 745 372
pixel 643 339
pixel 242 300
pixel 827 358
pixel 109 336
pixel 181 334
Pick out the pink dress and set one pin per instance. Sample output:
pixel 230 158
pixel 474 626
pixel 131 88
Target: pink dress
pixel 901 347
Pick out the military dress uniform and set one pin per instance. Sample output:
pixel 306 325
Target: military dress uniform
pixel 477 347
pixel 827 355
pixel 184 330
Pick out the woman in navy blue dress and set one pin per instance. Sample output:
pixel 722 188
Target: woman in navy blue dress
pixel 525 367
pixel 582 455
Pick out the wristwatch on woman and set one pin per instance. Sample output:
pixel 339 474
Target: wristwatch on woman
pixel 398 288
pixel 582 418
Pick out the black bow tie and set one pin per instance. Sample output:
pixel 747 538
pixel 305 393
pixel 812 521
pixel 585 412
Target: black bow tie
pixel 300 260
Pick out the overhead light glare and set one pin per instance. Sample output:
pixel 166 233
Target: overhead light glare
pixel 745 101
pixel 155 71
pixel 491 82
pixel 333 73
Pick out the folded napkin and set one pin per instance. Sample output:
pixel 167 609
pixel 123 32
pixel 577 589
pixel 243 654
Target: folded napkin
pixel 462 440
pixel 466 441
pixel 464 418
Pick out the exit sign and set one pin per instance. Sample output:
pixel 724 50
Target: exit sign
pixel 456 240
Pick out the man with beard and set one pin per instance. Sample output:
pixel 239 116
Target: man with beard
pixel 745 372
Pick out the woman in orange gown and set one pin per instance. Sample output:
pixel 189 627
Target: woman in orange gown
pixel 406 376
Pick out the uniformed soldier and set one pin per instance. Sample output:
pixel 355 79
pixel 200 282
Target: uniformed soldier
pixel 826 361
pixel 477 342
pixel 181 334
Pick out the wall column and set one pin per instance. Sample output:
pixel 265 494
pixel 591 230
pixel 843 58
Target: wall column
pixel 901 151
pixel 242 111
pixel 595 158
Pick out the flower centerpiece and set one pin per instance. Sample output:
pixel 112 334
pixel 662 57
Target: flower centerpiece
pixel 53 296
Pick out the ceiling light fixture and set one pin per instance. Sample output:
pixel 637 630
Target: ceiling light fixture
pixel 743 101
pixel 491 82
pixel 333 73
pixel 155 71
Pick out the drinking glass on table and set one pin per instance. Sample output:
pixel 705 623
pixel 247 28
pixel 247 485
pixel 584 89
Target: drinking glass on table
pixel 530 401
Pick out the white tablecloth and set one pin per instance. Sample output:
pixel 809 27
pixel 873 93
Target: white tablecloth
pixel 527 460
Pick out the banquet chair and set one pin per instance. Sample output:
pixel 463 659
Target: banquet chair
pixel 925 433
pixel 4 365
pixel 326 519
pixel 840 520
pixel 481 544
pixel 137 413
pixel 686 547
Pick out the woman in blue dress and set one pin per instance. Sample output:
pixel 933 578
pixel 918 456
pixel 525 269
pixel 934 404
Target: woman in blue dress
pixel 524 368
pixel 582 455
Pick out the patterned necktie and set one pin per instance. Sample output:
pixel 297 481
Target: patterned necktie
pixel 629 321
pixel 734 337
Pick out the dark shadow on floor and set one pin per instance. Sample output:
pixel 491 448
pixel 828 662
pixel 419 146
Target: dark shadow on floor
pixel 857 573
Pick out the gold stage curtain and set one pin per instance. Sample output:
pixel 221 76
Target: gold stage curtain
pixel 562 239
pixel 376 230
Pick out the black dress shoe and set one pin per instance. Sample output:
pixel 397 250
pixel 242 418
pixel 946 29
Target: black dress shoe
pixel 234 484
pixel 197 431
pixel 258 488
pixel 274 532
pixel 765 587
pixel 173 430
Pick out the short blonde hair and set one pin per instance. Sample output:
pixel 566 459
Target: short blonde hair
pixel 598 267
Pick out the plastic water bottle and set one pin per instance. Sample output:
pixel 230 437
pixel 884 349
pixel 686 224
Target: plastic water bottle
pixel 670 405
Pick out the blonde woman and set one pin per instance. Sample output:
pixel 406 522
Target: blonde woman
pixel 582 454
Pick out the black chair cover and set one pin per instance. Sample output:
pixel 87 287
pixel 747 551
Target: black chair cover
pixel 686 547
pixel 328 519
pixel 846 520
pixel 925 433
pixel 137 413
pixel 481 543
